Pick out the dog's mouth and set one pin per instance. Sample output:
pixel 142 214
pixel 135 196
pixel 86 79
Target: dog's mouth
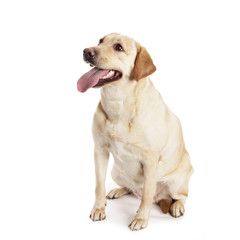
pixel 97 78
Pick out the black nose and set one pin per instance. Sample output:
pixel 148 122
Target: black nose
pixel 89 54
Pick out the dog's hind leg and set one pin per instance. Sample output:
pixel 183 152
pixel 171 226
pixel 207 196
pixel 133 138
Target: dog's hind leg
pixel 178 187
pixel 118 192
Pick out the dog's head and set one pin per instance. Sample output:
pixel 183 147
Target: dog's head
pixel 114 58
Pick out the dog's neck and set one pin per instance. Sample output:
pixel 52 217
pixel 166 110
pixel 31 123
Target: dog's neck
pixel 117 97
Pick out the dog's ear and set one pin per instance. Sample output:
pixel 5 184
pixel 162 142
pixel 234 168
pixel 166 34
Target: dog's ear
pixel 143 66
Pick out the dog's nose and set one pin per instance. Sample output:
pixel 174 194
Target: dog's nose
pixel 89 53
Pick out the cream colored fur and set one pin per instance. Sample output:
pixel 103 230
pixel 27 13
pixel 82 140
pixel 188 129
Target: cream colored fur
pixel 133 123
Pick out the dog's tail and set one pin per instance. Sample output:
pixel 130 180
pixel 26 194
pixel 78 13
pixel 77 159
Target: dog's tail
pixel 165 205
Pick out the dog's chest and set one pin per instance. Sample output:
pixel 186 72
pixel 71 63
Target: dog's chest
pixel 124 153
pixel 128 160
pixel 122 136
pixel 121 141
pixel 120 131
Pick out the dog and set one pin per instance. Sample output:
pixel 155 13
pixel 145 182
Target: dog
pixel 133 123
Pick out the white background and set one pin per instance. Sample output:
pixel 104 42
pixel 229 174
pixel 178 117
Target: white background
pixel 46 149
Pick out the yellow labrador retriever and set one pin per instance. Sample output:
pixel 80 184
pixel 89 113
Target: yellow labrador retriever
pixel 133 123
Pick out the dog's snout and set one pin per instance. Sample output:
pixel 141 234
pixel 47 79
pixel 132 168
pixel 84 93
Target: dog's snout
pixel 89 54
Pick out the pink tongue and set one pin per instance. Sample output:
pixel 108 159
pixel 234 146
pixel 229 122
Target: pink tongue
pixel 90 79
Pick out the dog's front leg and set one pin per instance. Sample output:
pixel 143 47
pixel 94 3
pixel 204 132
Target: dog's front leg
pixel 141 219
pixel 101 156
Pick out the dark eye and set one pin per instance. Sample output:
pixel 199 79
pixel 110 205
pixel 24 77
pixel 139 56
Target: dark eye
pixel 118 47
pixel 100 41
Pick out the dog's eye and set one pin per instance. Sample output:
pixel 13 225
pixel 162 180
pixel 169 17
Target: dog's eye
pixel 118 47
pixel 100 41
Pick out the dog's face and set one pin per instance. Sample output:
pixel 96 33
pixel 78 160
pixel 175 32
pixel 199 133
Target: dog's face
pixel 114 52
pixel 114 58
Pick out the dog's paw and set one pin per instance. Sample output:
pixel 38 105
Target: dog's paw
pixel 138 224
pixel 97 214
pixel 117 193
pixel 177 209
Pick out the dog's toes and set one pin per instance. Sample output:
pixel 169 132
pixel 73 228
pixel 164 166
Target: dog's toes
pixel 117 193
pixel 177 209
pixel 138 224
pixel 97 214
